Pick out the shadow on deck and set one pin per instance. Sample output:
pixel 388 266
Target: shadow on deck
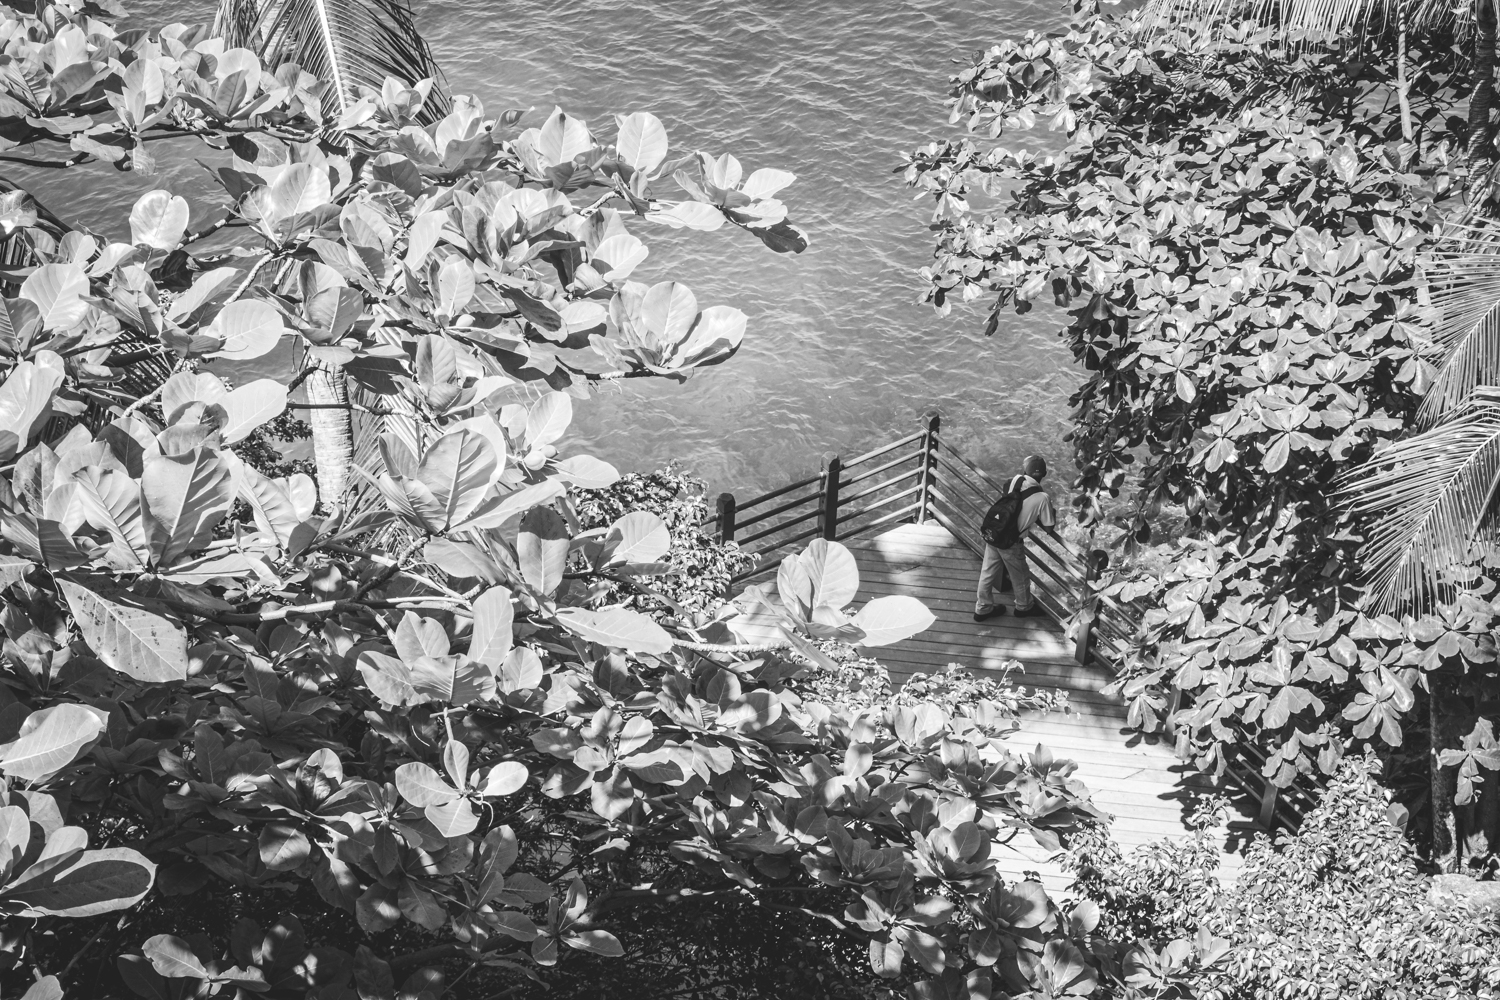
pixel 1137 779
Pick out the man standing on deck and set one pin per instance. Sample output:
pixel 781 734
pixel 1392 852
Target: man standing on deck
pixel 1024 506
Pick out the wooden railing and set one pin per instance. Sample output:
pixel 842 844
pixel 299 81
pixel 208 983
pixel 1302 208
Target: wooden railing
pixel 886 486
pixel 920 478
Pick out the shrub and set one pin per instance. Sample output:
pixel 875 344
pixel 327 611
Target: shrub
pixel 387 703
pixel 696 571
pixel 1341 909
pixel 848 681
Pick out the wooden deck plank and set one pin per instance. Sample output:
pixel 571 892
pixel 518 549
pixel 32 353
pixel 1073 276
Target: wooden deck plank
pixel 1135 778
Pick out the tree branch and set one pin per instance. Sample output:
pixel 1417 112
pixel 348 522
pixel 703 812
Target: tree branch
pixel 730 647
pixel 28 161
pixel 391 570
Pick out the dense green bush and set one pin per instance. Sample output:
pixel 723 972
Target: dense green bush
pixel 1235 228
pixel 391 702
pixel 852 682
pixel 695 573
pixel 1340 909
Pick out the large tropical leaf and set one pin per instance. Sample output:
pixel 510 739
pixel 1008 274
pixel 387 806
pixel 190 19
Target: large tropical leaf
pixel 346 43
pixel 1427 500
pixel 1367 18
pixel 1464 279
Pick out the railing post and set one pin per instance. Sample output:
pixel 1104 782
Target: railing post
pixel 929 464
pixel 831 469
pixel 726 517
pixel 1093 569
pixel 1268 805
pixel 1085 643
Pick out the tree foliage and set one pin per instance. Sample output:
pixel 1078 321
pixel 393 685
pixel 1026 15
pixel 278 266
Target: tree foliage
pixel 401 711
pixel 1236 230
pixel 1341 908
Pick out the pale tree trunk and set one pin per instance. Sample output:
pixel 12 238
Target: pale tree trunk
pixel 332 429
pixel 1403 85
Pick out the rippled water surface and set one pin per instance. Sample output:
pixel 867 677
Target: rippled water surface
pixel 839 355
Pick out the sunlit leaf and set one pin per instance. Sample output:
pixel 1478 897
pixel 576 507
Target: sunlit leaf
pixel 642 142
pixel 619 628
pixel 50 740
pixel 57 290
pixel 132 640
pixel 158 219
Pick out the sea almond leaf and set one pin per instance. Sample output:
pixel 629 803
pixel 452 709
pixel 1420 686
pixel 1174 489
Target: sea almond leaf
pixel 548 418
pixel 301 187
pixel 158 219
pixel 283 847
pixel 57 290
pixel 46 988
pixel 505 778
pixel 422 786
pixel 248 328
pixel 132 640
pixel 618 628
pixel 890 619
pixel 50 740
pixel 642 142
pixel 173 958
pixel 452 819
pixel 493 618
pixel 250 406
pixel 97 882
pixel 638 537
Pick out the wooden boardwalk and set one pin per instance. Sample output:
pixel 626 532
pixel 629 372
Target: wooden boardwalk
pixel 1139 781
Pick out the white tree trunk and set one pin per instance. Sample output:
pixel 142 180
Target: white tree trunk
pixel 332 430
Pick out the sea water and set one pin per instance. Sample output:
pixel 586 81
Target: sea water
pixel 839 356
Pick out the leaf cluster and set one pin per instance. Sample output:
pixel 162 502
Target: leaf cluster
pixel 1236 228
pixel 401 709
pixel 1341 908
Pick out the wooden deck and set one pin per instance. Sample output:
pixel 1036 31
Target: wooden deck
pixel 1139 781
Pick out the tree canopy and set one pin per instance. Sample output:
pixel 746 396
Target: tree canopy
pixel 1237 230
pixel 443 710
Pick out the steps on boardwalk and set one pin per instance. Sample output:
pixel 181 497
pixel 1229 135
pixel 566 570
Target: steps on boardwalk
pixel 1137 779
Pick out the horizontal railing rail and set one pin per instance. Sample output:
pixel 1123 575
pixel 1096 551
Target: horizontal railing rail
pixel 935 482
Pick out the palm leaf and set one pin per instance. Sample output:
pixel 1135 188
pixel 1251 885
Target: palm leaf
pixel 1426 500
pixel 348 44
pixel 1464 279
pixel 1365 18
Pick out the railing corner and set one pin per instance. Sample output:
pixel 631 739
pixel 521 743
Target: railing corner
pixel 831 471
pixel 726 512
pixel 929 464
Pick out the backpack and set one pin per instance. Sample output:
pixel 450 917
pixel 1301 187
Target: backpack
pixel 1001 522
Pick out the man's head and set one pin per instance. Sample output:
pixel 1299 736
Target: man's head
pixel 1035 466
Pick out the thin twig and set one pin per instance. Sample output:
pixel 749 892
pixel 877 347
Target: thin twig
pixel 150 396
pixel 732 647
pixel 208 230
pixel 249 278
pixel 352 407
pixel 302 376
pixel 381 560
pixel 436 602
pixel 71 161
pixel 391 570
pixel 63 975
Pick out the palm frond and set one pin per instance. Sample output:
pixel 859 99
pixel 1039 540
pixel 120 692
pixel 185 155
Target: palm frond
pixel 1464 279
pixel 346 43
pixel 1425 501
pixel 1364 18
